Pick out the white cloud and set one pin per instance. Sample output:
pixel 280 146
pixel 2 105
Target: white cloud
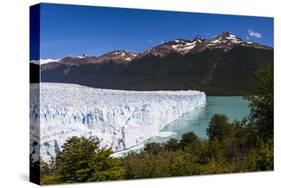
pixel 255 34
pixel 43 61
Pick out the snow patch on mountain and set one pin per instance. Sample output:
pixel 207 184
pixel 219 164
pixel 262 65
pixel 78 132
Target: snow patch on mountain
pixel 120 56
pixel 120 119
pixel 183 46
pixel 224 39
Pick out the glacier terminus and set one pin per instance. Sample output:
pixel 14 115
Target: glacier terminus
pixel 120 119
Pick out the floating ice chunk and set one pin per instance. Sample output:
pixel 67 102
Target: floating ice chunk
pixel 166 134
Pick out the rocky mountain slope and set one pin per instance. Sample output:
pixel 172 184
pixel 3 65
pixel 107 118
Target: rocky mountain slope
pixel 224 65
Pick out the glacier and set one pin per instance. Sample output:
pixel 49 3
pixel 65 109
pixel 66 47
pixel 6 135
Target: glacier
pixel 120 119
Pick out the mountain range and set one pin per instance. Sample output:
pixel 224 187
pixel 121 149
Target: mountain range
pixel 223 65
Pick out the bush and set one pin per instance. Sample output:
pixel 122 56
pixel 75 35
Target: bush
pixel 188 139
pixel 154 148
pixel 171 144
pixel 219 127
pixel 83 160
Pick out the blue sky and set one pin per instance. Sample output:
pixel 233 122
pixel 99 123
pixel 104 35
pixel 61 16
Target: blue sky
pixel 76 30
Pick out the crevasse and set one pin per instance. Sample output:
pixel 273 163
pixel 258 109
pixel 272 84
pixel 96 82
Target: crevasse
pixel 120 119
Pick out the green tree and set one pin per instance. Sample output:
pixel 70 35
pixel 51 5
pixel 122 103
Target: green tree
pixel 171 144
pixel 219 127
pixel 261 158
pixel 82 160
pixel 261 105
pixel 154 148
pixel 188 139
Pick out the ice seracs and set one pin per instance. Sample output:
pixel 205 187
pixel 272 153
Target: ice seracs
pixel 120 119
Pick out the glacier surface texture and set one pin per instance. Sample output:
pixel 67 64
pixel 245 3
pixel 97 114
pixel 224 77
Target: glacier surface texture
pixel 120 119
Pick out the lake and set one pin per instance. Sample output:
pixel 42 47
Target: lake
pixel 235 107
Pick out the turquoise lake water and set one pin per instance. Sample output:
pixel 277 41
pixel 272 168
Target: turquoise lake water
pixel 197 120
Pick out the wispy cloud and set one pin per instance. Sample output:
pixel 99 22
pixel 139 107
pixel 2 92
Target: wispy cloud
pixel 255 34
pixel 150 41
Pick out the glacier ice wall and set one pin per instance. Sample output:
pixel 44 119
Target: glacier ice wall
pixel 120 119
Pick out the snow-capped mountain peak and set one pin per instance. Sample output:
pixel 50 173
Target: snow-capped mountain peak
pixel 224 41
pixel 226 37
pixel 119 56
pixel 199 39
pixel 180 46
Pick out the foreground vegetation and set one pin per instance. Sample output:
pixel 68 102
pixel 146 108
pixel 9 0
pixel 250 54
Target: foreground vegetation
pixel 240 146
